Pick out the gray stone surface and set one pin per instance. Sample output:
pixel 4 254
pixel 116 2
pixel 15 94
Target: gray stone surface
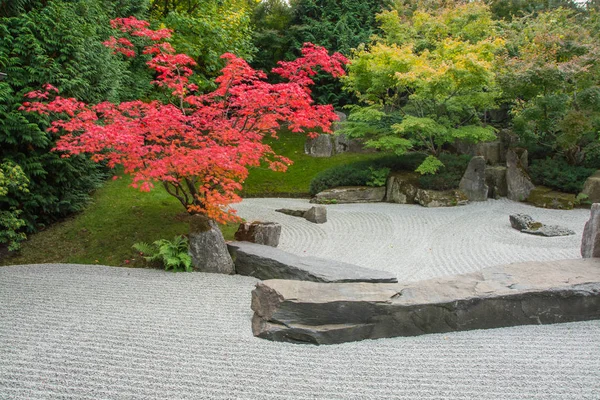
pixel 446 198
pixel 207 247
pixel 518 183
pixel 320 146
pixel 493 152
pixel 316 215
pixel 266 233
pixel 591 188
pixel 350 194
pixel 526 224
pixel 264 262
pixel 495 178
pixel 473 181
pixel 549 231
pixel 590 242
pixel 515 294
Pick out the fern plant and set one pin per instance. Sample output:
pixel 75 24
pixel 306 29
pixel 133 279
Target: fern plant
pixel 173 254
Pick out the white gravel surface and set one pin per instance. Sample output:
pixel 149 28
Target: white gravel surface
pixel 94 332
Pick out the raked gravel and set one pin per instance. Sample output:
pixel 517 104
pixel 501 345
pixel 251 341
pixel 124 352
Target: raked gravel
pixel 95 332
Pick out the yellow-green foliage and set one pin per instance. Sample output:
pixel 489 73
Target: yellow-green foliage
pixel 433 70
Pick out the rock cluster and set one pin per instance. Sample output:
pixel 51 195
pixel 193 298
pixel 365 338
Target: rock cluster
pixel 403 188
pixel 524 223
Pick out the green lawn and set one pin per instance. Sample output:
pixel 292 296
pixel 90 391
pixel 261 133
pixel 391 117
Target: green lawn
pixel 120 216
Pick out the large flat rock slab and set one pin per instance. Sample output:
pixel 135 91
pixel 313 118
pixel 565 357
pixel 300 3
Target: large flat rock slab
pixel 514 294
pixel 265 262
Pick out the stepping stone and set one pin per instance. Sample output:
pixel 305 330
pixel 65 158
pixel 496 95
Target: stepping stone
pixel 265 262
pixel 515 294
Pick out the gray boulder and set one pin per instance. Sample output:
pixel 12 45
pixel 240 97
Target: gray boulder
pixel 518 183
pixel 495 178
pixel 207 247
pixel 350 194
pixel 473 181
pixel 591 188
pixel 316 215
pixel 320 146
pixel 264 262
pixel 515 294
pixel 266 233
pixel 590 242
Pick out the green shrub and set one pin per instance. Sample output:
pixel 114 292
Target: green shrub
pixel 343 175
pixel 558 174
pixel 371 173
pixel 378 176
pixel 173 254
pixel 449 176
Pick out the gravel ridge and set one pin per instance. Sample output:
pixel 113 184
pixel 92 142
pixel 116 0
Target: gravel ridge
pixel 95 332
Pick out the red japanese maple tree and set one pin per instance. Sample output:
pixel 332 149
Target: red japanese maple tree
pixel 198 146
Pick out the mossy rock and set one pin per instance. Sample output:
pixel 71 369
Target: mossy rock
pixel 545 197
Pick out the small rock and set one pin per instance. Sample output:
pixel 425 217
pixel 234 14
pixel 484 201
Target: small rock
pixel 590 242
pixel 495 178
pixel 266 233
pixel 316 214
pixel 473 181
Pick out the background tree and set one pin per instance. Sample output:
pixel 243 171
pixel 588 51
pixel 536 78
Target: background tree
pixel 338 25
pixel 427 81
pixel 206 29
pixel 552 81
pixel 57 41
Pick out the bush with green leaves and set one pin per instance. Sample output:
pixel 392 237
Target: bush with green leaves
pixel 12 178
pixel 559 174
pixel 370 173
pixel 343 175
pixel 172 254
